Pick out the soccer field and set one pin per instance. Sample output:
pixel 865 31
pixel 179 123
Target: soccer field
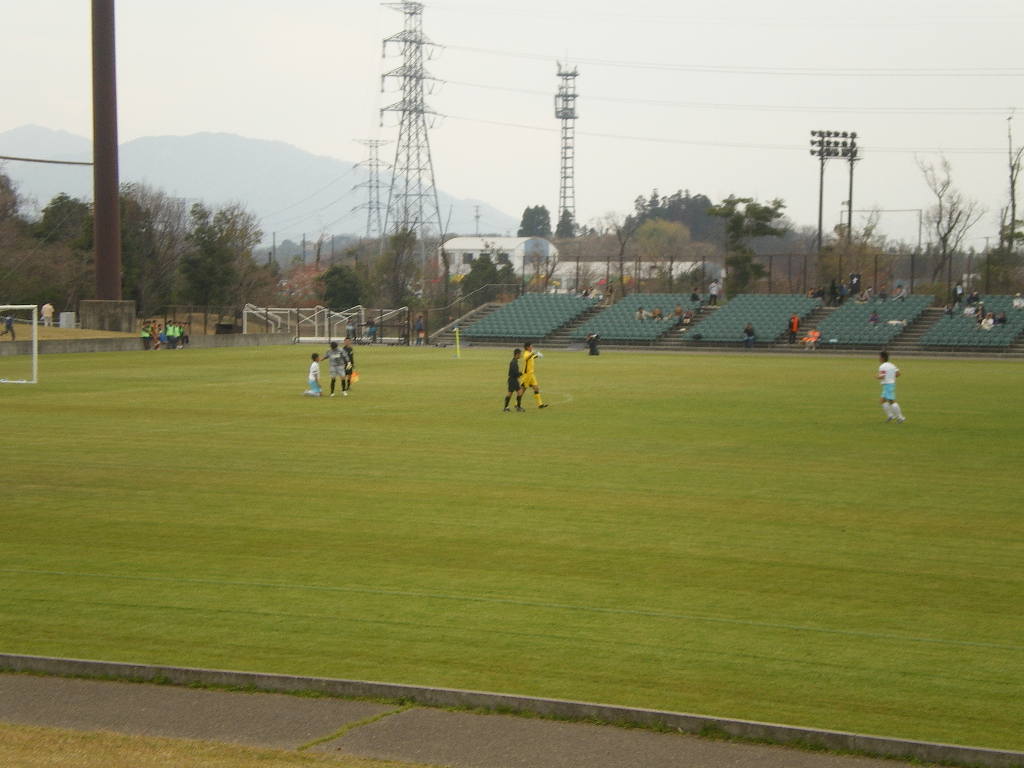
pixel 731 535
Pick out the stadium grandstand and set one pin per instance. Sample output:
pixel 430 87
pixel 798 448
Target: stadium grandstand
pixel 531 316
pixel 619 322
pixel 852 322
pixel 769 314
pixel 960 330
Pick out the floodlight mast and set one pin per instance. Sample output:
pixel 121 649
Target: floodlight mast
pixel 565 110
pixel 824 145
pixel 413 204
pixel 106 194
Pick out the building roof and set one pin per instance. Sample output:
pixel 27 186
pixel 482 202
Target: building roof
pixel 487 243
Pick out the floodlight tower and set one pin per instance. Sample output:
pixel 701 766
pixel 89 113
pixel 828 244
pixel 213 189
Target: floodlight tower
pixel 826 144
pixel 413 205
pixel 565 110
pixel 373 185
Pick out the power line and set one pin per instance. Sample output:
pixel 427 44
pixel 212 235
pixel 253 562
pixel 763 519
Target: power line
pixel 757 107
pixel 773 71
pixel 37 160
pixel 740 145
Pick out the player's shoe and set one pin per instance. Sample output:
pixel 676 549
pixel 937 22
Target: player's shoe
pixel 902 419
pixel 889 419
pixel 332 394
pixel 519 409
pixel 344 393
pixel 543 405
pixel 508 410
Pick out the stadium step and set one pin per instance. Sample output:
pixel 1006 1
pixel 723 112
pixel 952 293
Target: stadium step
pixel 445 337
pixel 560 337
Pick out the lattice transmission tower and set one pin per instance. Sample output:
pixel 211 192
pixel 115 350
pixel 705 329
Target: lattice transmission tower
pixel 373 185
pixel 413 204
pixel 565 110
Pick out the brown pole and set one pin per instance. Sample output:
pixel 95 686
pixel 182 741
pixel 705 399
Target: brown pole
pixel 107 226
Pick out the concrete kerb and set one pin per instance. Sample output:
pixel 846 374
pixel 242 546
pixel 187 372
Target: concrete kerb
pixel 836 741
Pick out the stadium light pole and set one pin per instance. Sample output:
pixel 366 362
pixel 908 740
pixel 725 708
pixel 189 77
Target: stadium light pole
pixel 826 144
pixel 106 201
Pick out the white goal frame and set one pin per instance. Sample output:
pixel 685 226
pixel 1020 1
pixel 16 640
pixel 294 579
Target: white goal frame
pixel 4 308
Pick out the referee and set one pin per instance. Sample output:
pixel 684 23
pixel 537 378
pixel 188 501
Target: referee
pixel 514 387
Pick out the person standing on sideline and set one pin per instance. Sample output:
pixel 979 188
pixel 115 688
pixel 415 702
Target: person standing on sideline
pixel 350 366
pixel 794 328
pixel 749 336
pixel 47 313
pixel 515 386
pixel 887 373
pixel 147 336
pixel 336 359
pixel 9 327
pixel 419 331
pixel 314 378
pixel 713 290
pixel 529 378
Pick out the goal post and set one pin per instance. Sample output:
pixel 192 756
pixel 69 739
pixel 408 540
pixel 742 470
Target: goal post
pixel 13 311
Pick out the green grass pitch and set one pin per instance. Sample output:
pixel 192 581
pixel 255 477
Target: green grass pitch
pixel 731 535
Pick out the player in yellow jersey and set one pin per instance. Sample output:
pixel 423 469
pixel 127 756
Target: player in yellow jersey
pixel 529 379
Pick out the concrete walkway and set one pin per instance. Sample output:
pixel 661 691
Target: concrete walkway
pixel 415 735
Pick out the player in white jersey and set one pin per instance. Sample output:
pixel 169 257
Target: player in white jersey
pixel 314 378
pixel 887 373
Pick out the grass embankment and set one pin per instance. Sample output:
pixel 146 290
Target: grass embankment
pixel 730 535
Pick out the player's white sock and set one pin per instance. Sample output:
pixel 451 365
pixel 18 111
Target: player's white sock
pixel 896 410
pixel 887 407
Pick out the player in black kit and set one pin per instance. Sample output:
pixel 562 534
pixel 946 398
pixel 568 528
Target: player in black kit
pixel 514 387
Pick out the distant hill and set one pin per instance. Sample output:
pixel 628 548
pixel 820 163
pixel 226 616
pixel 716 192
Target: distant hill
pixel 291 190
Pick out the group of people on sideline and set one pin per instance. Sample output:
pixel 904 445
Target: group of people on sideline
pixel 156 336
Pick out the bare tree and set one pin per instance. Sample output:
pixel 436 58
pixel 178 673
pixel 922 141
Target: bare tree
pixel 950 218
pixel 623 227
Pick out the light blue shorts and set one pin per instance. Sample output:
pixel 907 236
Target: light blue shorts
pixel 314 385
pixel 888 391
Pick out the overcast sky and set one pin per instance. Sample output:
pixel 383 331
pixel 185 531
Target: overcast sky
pixel 712 97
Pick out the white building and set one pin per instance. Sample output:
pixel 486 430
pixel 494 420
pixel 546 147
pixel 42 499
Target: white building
pixel 536 254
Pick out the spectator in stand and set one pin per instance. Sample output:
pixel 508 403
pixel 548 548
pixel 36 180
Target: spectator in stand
pixel 687 317
pixel 656 314
pixel 1001 318
pixel 677 312
pixel 883 294
pixel 980 311
pixel 970 311
pixel 843 291
pixel 988 322
pixel 47 314
pixel 833 293
pixel 694 296
pixel 873 318
pixel 901 293
pixel 1018 302
pixel 794 328
pixel 948 311
pixel 974 297
pixel 958 292
pixel 640 315
pixel 749 337
pixel 713 291
pixel 810 341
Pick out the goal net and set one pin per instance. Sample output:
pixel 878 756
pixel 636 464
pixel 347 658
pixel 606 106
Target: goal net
pixel 19 344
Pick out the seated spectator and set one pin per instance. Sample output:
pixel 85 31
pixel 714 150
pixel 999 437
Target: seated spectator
pixel 869 292
pixel 749 337
pixel 678 311
pixel 1001 318
pixel 873 318
pixel 1018 302
pixel 687 317
pixel 696 296
pixel 883 294
pixel 810 341
pixel 980 311
pixel 974 298
pixel 901 293
pixel 988 322
pixel 948 311
pixel 656 314
pixel 861 297
pixel 970 310
pixel 640 315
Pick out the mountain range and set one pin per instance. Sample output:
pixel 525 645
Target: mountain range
pixel 292 191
